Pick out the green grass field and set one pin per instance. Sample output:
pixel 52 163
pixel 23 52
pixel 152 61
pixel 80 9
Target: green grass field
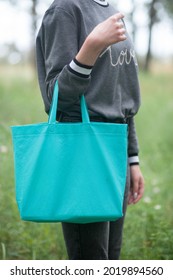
pixel 148 232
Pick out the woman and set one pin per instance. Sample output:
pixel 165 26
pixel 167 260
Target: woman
pixel 84 45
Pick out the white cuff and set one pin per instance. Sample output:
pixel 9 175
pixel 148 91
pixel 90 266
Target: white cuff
pixel 133 160
pixel 80 69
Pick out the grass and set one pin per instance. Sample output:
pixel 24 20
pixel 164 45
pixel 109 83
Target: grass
pixel 20 103
pixel 148 231
pixel 150 223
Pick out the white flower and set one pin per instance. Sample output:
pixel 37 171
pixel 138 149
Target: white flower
pixel 155 181
pixel 3 149
pixel 156 190
pixel 157 207
pixel 147 199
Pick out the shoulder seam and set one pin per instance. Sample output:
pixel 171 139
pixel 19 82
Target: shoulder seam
pixel 59 8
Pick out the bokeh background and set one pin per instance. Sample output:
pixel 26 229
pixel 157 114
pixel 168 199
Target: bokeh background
pixel 148 230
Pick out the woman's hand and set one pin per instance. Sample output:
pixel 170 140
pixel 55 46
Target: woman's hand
pixel 136 185
pixel 106 33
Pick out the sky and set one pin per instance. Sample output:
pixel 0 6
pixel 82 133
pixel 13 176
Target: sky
pixel 15 27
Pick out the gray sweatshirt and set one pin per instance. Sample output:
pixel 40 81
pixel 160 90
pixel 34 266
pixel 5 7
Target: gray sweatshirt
pixel 111 86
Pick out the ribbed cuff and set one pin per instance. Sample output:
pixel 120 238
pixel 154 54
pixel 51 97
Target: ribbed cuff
pixel 133 159
pixel 80 69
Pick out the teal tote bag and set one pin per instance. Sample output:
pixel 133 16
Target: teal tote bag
pixel 71 172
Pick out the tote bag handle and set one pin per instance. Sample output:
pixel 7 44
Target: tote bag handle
pixel 54 105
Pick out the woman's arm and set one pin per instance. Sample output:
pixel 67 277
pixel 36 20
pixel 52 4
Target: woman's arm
pixel 136 178
pixel 57 47
pixel 108 32
pixel 136 184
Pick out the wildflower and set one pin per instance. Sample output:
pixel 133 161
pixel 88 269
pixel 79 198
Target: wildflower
pixel 147 199
pixel 3 149
pixel 157 207
pixel 154 181
pixel 156 190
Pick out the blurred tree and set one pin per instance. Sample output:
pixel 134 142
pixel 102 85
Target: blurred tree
pixel 168 4
pixel 132 20
pixel 34 20
pixel 11 54
pixel 154 7
pixel 32 10
pixel 153 18
pixel 34 16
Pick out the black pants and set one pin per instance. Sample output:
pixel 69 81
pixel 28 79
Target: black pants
pixel 96 241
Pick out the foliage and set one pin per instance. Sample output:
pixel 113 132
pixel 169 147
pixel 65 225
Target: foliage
pixel 148 230
pixel 168 5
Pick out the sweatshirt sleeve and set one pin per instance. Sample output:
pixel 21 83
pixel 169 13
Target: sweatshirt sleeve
pixel 59 43
pixel 133 148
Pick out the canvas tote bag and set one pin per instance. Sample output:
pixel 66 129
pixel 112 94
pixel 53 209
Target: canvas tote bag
pixel 71 172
